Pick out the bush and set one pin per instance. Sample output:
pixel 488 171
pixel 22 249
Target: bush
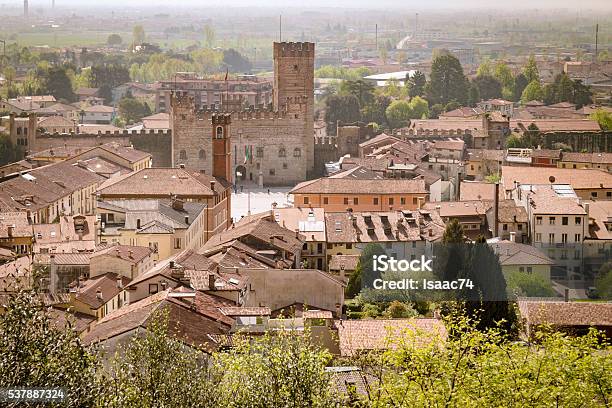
pixel 399 309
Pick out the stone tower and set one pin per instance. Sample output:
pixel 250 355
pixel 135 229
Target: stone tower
pixel 221 146
pixel 294 81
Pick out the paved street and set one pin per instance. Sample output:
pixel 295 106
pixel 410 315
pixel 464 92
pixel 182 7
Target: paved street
pixel 260 200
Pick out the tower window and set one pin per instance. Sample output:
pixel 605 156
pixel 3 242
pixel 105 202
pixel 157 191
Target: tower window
pixel 183 155
pixel 219 132
pixel 259 152
pixel 297 152
pixel 282 152
pixel 202 154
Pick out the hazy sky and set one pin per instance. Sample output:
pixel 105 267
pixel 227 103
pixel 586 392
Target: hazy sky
pixel 404 4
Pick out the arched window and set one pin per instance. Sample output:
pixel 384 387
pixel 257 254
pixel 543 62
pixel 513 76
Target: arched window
pixel 282 152
pixel 183 155
pixel 219 132
pixel 202 154
pixel 297 152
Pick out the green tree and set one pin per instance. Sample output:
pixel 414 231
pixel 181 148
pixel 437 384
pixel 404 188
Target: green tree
pixel 132 110
pixel 416 84
pixel 399 114
pixel 59 85
pixel 582 94
pixel 138 35
pixel 504 75
pixel 209 36
pixel 530 285
pixel 399 309
pixel 436 110
pixel 366 265
pixel 604 119
pixel 376 110
pixel 419 108
pixel 533 92
pixel 114 39
pixel 488 87
pixel 157 370
pixel 447 81
pixel 473 95
pixel 361 89
pixel 236 62
pixel 485 69
pixel 531 70
pixel 520 83
pixel 36 353
pixel 603 281
pixel 343 109
pixel 563 88
pixel 8 151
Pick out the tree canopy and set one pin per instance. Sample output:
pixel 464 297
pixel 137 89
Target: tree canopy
pixel 447 81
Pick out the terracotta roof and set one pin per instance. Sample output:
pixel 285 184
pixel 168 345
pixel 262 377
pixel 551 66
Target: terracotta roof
pixel 478 190
pixel 61 318
pixel 566 314
pixel 245 311
pixel 349 262
pixel 99 109
pixel 544 200
pixel 378 334
pixel 56 121
pixel 106 284
pixel 600 217
pixel 382 138
pixel 557 125
pixel 546 153
pixel 16 274
pixel 513 253
pixel 449 145
pixel 17 222
pixel 87 91
pixel 132 254
pixel 595 158
pixel 164 182
pixel 462 112
pixel 63 258
pixel 352 186
pixel 459 208
pixel 309 221
pixel 508 212
pixel 577 178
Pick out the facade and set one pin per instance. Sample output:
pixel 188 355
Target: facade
pixel 272 147
pixel 124 260
pixel 497 105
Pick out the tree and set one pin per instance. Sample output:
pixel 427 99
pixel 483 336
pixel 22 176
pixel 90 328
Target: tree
pixel 563 88
pixel 447 81
pixel 132 110
pixel 59 85
pixel 514 142
pixel 376 110
pixel 604 118
pixel 399 114
pixel 520 83
pixel 530 285
pixel 485 69
pixel 416 84
pixel 366 265
pixel 531 70
pixel 36 353
pixel 156 369
pixel 114 39
pixel 343 109
pixel 236 62
pixel 504 75
pixel 603 281
pixel 419 108
pixel 209 36
pixel 138 35
pixel 397 310
pixel 8 151
pixel 436 110
pixel 488 87
pixel 533 92
pixel 361 89
pixel 473 95
pixel 582 94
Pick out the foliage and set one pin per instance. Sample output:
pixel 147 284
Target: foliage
pixel 530 285
pixel 480 369
pixel 604 119
pixel 59 85
pixel 361 89
pixel 520 83
pixel 209 36
pixel 8 151
pixel 564 89
pixel 531 70
pixel 341 108
pixel 473 95
pixel 376 111
pixel 399 309
pixel 603 282
pixel 399 113
pixel 155 369
pixel 352 74
pixel 504 75
pixel 416 84
pixel 436 110
pixel 36 353
pixel 283 369
pixel 447 81
pixel 488 87
pixel 138 35
pixel 366 263
pixel 532 92
pixel 484 69
pixel 236 62
pixel 114 39
pixel 132 110
pixel 493 178
pixel 370 310
pixel 453 234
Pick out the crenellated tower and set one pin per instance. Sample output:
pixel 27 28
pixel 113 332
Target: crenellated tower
pixel 221 146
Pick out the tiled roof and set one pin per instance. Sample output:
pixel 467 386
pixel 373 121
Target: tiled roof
pixel 463 112
pixel 357 186
pixel 513 253
pixel 349 262
pixel 596 158
pixel 99 109
pixel 544 200
pixel 61 318
pixel 566 314
pixel 546 153
pixel 106 284
pixel 245 311
pixel 163 182
pixel 375 334
pixel 557 125
pixel 55 121
pixel 132 254
pixel 478 190
pixel 577 178
pixel 508 212
pixel 17 221
pixel 382 138
pixel 459 208
pixel 600 214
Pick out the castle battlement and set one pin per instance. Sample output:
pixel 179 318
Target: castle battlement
pixel 293 49
pixel 107 133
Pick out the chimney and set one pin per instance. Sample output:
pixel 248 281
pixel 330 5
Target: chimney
pixel 119 282
pixel 212 185
pixel 131 253
pixel 187 219
pixel 138 223
pixel 171 264
pixel 99 293
pixel 587 207
pixel 496 211
pixel 211 281
pixel 566 295
pixel 512 236
pixel 459 178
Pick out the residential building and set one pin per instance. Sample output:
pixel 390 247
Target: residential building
pixel 64 269
pixel 598 241
pixel 600 160
pixel 506 108
pixel 16 232
pixel 97 114
pixel 124 260
pixel 512 221
pixel 166 226
pixel 470 214
pixel 522 258
pixel 70 234
pixel 338 194
pixel 95 296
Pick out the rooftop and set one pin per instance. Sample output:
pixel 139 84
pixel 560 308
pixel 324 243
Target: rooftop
pixel 577 178
pixel 360 186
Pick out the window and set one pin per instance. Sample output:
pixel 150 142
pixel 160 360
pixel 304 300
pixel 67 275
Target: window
pixel 551 238
pixel 577 238
pixel 346 200
pixel 319 248
pixel 594 194
pixel 285 167
pixel 177 243
pixel 259 152
pixel 609 194
pixel 564 220
pixel 153 288
pixel 375 200
pixel 415 200
pixel 520 227
pixel 539 220
pixel 282 152
pixel 391 201
pixel 529 269
pixel 202 154
pixel 219 132
pixel 578 220
pixel 402 200
pixel 521 269
pixel 349 246
pixel 356 200
pixel 505 227
pixel 183 155
pixel 564 238
pixel 297 152
pixel 325 200
pixel 551 220
pixel 306 200
pixel 272 172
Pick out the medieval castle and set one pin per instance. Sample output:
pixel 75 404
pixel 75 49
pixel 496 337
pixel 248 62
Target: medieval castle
pixel 272 145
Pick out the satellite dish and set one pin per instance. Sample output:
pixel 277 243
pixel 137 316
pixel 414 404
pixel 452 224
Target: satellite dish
pixel 551 179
